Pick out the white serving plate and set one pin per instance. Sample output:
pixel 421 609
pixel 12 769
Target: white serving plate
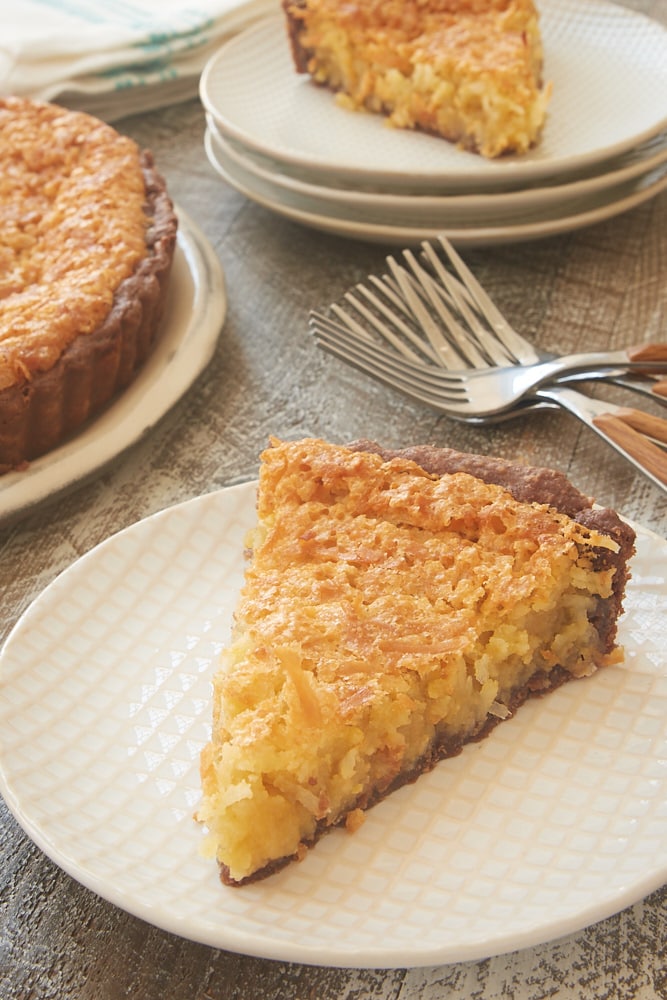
pixel 393 227
pixel 608 66
pixel 554 821
pixel 467 208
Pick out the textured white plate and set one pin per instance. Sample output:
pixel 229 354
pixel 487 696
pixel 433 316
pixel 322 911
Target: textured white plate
pixel 194 316
pixel 556 820
pixel 608 66
pixel 485 210
pixel 399 228
pixel 482 209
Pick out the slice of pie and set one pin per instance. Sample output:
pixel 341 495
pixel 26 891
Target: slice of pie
pixel 467 70
pixel 396 606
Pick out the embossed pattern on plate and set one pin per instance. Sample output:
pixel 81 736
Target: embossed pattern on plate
pixel 556 820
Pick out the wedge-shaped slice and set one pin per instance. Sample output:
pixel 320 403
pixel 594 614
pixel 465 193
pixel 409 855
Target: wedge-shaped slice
pixel 396 606
pixel 467 70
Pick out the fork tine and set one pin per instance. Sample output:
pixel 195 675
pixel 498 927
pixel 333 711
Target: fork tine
pixel 492 347
pixel 405 330
pixel 389 287
pixel 318 322
pixel 355 359
pixel 489 310
pixel 393 298
pixel 380 327
pixel 449 335
pixel 446 355
pixel 327 329
pixel 426 383
pixel 441 300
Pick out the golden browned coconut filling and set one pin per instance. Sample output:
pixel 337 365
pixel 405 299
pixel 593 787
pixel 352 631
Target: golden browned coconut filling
pixel 388 616
pixel 72 227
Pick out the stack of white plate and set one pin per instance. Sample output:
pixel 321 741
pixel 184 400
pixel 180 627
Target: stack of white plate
pixel 286 144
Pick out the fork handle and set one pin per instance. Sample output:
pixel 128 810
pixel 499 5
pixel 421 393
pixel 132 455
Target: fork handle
pixel 647 352
pixel 644 423
pixel 624 429
pixel 642 384
pixel 644 358
pixel 628 436
pixel 655 389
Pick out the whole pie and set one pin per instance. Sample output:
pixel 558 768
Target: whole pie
pixel 396 605
pixel 87 238
pixel 467 70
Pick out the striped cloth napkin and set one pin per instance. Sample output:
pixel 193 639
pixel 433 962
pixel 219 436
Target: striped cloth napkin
pixel 115 57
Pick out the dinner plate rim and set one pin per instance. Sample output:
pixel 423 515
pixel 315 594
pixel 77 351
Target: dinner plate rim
pixel 530 198
pixel 400 235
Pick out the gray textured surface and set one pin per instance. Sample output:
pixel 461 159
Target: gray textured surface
pixel 596 288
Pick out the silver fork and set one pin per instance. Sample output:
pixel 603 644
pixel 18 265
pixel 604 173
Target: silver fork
pixel 505 344
pixel 423 306
pixel 475 392
pixel 475 345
